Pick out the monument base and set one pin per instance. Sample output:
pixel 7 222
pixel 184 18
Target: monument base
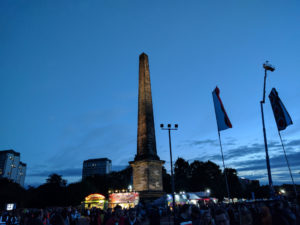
pixel 149 196
pixel 147 178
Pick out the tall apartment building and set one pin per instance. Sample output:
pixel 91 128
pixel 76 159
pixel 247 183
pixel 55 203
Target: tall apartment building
pixel 11 167
pixel 93 167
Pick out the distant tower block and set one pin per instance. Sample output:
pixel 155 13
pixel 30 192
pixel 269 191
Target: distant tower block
pixel 147 167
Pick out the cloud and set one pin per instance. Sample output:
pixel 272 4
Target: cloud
pixel 276 162
pixel 96 142
pixel 95 134
pixel 256 168
pixel 37 176
pixel 293 143
pixel 211 142
pixel 68 172
pixel 245 151
pixel 204 142
pixel 82 145
pixel 249 160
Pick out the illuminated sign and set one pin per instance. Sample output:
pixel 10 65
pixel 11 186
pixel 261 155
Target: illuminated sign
pixel 94 197
pixel 124 197
pixel 10 206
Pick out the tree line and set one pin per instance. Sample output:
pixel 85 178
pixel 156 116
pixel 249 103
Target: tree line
pixel 190 177
pixel 200 176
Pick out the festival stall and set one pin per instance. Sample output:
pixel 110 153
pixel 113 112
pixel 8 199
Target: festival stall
pixel 190 198
pixel 125 200
pixel 180 199
pixel 207 200
pixel 204 197
pixel 193 198
pixel 95 200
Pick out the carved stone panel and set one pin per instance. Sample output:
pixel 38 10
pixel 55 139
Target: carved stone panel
pixel 147 175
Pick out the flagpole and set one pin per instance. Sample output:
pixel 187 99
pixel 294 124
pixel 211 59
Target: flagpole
pixel 266 66
pixel 227 187
pixel 288 164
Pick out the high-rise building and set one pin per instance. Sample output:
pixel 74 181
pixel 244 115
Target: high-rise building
pixel 94 167
pixel 11 167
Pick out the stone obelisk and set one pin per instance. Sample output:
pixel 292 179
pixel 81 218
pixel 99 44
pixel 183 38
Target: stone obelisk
pixel 147 167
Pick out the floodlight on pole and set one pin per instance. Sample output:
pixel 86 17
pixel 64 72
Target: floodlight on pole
pixel 169 128
pixel 268 66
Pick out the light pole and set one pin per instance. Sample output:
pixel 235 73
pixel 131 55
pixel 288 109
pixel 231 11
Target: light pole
pixel 267 67
pixel 169 128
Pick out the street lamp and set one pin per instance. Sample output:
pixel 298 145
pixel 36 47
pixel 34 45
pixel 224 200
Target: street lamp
pixel 169 128
pixel 207 191
pixel 267 67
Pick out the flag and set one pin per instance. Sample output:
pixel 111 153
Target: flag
pixel 221 115
pixel 282 116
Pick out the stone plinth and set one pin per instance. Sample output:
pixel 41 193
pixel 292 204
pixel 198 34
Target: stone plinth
pixel 147 178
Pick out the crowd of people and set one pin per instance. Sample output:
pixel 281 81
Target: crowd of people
pixel 74 216
pixel 257 213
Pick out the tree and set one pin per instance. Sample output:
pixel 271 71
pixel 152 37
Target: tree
pixel 198 176
pixel 235 187
pixel 207 175
pixel 11 192
pixel 182 174
pixel 56 179
pixel 51 193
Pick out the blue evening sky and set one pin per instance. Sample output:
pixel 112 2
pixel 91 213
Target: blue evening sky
pixel 69 81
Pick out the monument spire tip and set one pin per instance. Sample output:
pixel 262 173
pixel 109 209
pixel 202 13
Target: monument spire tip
pixel 143 55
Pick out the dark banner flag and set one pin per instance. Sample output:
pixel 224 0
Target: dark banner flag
pixel 221 115
pixel 281 115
